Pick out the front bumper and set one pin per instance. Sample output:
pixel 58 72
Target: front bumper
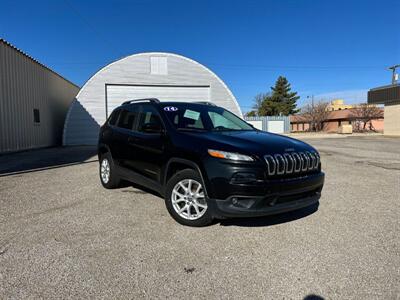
pixel 272 197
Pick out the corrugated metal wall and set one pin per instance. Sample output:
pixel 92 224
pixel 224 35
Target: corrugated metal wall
pixel 385 94
pixel 265 119
pixel 26 85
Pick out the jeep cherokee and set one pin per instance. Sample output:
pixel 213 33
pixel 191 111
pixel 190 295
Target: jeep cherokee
pixel 206 162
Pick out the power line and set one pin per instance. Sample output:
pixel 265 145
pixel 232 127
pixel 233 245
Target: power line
pixel 271 67
pixel 279 67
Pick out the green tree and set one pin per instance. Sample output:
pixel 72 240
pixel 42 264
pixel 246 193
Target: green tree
pixel 281 101
pixel 257 104
pixel 251 113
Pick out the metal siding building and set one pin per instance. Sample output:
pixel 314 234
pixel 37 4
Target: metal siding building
pixel 25 86
pixel 166 76
pixel 389 96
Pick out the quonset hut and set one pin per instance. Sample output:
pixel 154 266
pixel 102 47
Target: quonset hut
pixel 166 76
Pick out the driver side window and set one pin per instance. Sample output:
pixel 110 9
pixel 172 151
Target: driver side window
pixel 149 120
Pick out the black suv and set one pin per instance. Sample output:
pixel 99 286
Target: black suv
pixel 207 162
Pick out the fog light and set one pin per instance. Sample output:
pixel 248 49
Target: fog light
pixel 242 177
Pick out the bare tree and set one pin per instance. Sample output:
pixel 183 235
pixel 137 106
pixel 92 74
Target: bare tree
pixel 363 115
pixel 316 114
pixel 257 108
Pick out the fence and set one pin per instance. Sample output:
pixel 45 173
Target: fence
pixel 275 124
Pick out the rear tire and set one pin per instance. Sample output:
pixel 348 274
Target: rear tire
pixel 108 177
pixel 186 200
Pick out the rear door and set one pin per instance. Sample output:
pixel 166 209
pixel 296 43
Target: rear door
pixel 124 135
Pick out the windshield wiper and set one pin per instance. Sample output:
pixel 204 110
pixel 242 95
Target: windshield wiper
pixel 228 129
pixel 191 129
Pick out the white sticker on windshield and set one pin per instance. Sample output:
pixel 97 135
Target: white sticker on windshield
pixel 170 108
pixel 190 114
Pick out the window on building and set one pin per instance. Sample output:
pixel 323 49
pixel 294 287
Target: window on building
pixel 339 123
pixel 36 115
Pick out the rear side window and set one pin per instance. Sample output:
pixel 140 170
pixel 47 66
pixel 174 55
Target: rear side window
pixel 127 118
pixel 114 117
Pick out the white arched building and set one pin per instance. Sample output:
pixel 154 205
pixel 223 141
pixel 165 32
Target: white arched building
pixel 166 76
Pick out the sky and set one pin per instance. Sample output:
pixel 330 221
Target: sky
pixel 328 49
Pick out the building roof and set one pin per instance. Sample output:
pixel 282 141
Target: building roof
pixel 344 114
pixel 3 41
pixel 384 94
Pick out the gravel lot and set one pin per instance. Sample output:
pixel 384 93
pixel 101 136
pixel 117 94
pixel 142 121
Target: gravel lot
pixel 63 236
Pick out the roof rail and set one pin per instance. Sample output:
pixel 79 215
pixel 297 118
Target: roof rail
pixel 205 102
pixel 153 100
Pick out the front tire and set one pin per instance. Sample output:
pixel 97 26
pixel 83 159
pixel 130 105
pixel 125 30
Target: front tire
pixel 186 200
pixel 108 177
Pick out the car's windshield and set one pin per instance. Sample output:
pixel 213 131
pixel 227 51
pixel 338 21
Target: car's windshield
pixel 195 117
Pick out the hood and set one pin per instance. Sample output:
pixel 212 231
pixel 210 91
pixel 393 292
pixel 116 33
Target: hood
pixel 254 142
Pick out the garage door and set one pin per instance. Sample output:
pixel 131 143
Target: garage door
pixel 116 94
pixel 276 126
pixel 256 124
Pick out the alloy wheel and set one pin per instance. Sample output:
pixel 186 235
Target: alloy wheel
pixel 188 199
pixel 105 170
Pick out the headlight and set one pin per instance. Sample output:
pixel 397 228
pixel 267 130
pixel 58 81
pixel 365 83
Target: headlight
pixel 229 155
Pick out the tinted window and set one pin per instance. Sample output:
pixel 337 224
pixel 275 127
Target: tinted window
pixel 128 118
pixel 113 118
pixel 203 117
pixel 148 115
pixel 188 118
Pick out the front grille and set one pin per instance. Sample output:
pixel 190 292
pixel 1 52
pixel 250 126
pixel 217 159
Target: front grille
pixel 292 163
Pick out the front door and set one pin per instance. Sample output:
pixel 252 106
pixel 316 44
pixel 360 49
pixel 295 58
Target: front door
pixel 149 143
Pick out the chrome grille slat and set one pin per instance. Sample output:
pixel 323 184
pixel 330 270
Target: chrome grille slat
pixel 304 163
pixel 297 160
pixel 317 160
pixel 271 164
pixel 310 160
pixel 291 162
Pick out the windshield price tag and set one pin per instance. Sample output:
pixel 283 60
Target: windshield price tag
pixel 190 114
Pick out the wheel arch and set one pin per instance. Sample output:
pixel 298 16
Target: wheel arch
pixel 102 149
pixel 177 164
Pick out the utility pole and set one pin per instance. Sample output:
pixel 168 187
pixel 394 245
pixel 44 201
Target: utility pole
pixel 312 100
pixel 394 75
pixel 312 123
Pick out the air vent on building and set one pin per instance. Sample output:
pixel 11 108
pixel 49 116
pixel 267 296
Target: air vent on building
pixel 158 65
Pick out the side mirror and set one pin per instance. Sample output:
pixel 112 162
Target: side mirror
pixel 152 128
